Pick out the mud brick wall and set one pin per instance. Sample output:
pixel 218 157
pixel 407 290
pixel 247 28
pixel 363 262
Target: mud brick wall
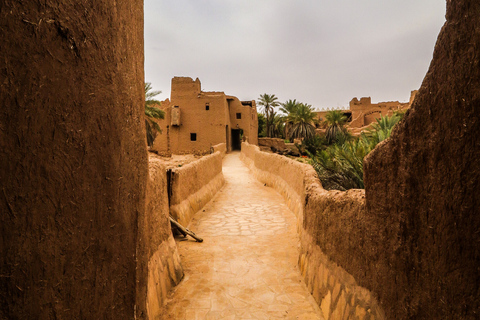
pixel 409 250
pixel 221 147
pixel 277 172
pixel 73 159
pixel 423 184
pixel 332 218
pixel 163 270
pixel 193 185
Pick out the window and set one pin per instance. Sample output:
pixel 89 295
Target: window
pixel 239 115
pixel 193 137
pixel 207 106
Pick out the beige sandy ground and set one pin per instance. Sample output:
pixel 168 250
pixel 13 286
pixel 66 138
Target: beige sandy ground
pixel 246 268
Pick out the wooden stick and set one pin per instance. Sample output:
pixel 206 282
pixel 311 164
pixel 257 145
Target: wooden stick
pixel 185 230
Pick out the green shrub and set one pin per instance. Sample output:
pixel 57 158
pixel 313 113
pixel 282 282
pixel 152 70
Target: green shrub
pixel 340 166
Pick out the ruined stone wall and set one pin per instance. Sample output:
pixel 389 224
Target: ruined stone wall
pixel 73 159
pixel 364 112
pixel 423 184
pixel 193 185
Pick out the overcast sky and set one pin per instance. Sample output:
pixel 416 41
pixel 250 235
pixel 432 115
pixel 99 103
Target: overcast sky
pixel 321 52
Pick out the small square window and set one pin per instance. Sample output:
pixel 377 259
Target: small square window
pixel 193 137
pixel 239 115
pixel 207 106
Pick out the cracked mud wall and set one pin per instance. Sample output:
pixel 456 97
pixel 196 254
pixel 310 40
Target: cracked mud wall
pixel 73 161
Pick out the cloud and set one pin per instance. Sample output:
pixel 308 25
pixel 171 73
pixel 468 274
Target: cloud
pixel 321 52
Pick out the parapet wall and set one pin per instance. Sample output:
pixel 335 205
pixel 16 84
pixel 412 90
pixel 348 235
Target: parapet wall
pixel 221 147
pixel 332 219
pixel 162 270
pixel 274 170
pixel 193 185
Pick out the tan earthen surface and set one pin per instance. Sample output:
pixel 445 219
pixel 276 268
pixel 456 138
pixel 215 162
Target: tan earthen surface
pixel 246 268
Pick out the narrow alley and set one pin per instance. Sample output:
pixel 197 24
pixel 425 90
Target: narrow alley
pixel 246 267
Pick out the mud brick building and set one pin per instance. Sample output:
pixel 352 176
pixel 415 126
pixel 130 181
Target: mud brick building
pixel 196 120
pixel 363 112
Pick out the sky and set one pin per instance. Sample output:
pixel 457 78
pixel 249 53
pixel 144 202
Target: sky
pixel 320 52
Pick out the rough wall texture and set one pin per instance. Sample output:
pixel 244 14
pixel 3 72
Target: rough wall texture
pixel 332 227
pixel 193 185
pixel 73 161
pixel 423 184
pixel 163 270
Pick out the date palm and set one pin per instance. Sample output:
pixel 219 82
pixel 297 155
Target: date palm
pixel 335 121
pixel 152 113
pixel 302 121
pixel 289 107
pixel 268 102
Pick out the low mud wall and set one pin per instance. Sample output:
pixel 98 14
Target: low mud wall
pixel 277 172
pixel 156 244
pixel 221 147
pixel 193 185
pixel 330 219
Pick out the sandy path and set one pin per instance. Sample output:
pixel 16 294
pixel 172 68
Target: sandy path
pixel 246 268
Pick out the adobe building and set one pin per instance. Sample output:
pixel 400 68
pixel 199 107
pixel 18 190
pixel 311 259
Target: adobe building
pixel 363 112
pixel 196 120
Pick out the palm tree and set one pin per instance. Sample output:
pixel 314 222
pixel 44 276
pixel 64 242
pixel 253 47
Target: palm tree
pixel 303 122
pixel 382 129
pixel 277 126
pixel 261 124
pixel 335 121
pixel 152 113
pixel 269 102
pixel 289 107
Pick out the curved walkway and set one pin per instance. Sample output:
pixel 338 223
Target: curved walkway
pixel 246 267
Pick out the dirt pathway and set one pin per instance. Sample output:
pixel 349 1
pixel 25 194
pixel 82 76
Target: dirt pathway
pixel 246 268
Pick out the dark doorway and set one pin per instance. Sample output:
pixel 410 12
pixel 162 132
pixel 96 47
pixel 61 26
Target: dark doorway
pixel 237 139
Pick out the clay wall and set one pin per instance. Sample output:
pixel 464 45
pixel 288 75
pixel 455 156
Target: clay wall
pixel 73 159
pixel 185 87
pixel 277 143
pixel 193 185
pixel 221 147
pixel 209 115
pixel 364 112
pixel 207 125
pixel 248 121
pixel 163 269
pixel 423 184
pixel 410 250
pixel 324 217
